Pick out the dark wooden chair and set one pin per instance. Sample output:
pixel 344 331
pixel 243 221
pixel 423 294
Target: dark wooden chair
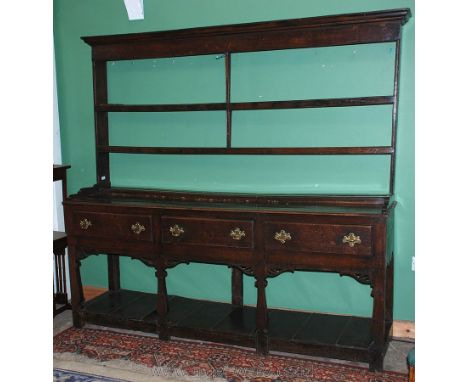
pixel 60 244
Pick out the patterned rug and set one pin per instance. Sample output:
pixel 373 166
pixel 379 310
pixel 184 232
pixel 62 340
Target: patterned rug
pixel 187 360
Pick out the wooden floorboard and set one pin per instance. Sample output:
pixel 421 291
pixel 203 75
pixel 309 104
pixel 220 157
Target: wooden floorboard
pixel 401 329
pixel 90 292
pixel 188 315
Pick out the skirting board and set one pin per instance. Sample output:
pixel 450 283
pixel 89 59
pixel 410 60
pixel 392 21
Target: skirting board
pixel 401 329
pixel 404 330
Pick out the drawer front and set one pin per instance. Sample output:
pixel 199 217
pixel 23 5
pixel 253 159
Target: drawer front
pixel 324 238
pixel 113 226
pixel 207 232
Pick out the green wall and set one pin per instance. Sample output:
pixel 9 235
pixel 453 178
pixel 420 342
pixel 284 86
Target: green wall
pixel 338 72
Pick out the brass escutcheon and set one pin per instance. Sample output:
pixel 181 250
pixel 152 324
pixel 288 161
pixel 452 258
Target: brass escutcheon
pixel 138 228
pixel 237 233
pixel 176 231
pixel 282 236
pixel 351 239
pixel 85 223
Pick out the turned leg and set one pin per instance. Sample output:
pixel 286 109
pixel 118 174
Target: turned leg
pixel 76 287
pixel 113 272
pixel 237 287
pixel 161 304
pixel 261 316
pixel 378 324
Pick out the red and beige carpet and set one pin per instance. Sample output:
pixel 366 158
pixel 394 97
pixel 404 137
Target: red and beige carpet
pixel 187 360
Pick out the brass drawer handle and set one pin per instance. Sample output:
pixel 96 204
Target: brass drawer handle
pixel 138 228
pixel 282 236
pixel 176 231
pixel 237 233
pixel 85 223
pixel 351 239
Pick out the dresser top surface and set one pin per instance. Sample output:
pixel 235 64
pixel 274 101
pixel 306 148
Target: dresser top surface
pixel 163 199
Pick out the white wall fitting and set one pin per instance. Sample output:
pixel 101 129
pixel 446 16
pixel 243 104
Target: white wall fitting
pixel 135 9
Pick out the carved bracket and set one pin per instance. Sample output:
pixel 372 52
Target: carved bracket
pixel 83 254
pixel 247 270
pixel 147 262
pixel 273 272
pixel 173 263
pixel 363 278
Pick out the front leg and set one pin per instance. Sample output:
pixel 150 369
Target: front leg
pixel 76 287
pixel 113 272
pixel 378 323
pixel 162 304
pixel 261 315
pixel 389 299
pixel 237 287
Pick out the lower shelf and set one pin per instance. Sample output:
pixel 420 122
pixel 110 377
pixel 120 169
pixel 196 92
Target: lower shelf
pixel 342 337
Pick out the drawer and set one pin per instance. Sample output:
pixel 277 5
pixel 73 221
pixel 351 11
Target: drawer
pixel 113 226
pixel 323 238
pixel 207 232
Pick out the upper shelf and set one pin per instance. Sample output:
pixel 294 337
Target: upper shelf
pixel 357 28
pixel 268 105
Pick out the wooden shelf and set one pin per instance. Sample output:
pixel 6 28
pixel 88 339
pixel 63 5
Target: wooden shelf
pixel 357 28
pixel 115 108
pixel 345 337
pixel 373 150
pixel 266 105
pixel 314 103
pixel 380 202
pixel 325 31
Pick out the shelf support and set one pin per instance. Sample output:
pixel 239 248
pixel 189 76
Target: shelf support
pixel 227 63
pixel 396 81
pixel 101 123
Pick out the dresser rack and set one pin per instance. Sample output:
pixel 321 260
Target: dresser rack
pixel 254 234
